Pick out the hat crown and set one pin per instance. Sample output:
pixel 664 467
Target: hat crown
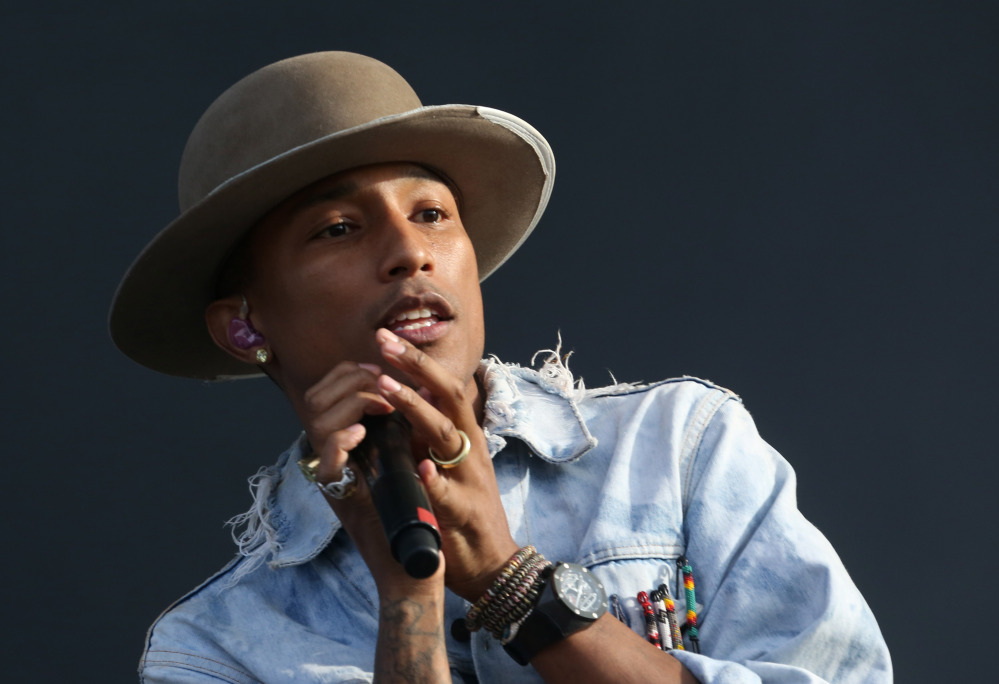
pixel 283 106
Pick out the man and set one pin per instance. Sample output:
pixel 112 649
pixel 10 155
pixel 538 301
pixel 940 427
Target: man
pixel 333 234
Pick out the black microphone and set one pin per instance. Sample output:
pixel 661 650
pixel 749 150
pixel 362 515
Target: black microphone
pixel 398 494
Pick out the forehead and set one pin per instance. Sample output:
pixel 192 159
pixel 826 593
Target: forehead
pixel 350 182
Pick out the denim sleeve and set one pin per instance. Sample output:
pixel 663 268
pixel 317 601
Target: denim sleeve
pixel 778 605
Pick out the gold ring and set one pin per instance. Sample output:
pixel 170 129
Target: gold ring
pixel 466 446
pixel 308 466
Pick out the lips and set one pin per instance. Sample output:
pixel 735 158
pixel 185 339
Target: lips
pixel 419 318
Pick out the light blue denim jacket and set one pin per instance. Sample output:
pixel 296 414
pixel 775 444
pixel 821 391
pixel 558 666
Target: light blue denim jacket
pixel 623 480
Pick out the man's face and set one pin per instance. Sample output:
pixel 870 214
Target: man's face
pixel 376 247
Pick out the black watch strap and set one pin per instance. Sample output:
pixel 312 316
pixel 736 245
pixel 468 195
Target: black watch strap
pixel 556 616
pixel 536 633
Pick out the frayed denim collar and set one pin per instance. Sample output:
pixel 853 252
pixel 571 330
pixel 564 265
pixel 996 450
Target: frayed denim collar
pixel 538 407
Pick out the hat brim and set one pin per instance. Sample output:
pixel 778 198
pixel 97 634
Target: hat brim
pixel 503 168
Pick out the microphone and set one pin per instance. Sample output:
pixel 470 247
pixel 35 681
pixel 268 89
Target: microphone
pixel 398 494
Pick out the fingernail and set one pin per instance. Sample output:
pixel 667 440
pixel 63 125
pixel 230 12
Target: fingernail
pixel 386 335
pixel 371 368
pixel 354 429
pixel 393 348
pixel 388 384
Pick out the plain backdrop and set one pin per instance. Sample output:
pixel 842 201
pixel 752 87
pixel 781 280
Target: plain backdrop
pixel 797 200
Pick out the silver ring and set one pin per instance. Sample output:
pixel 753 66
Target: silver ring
pixel 343 488
pixel 466 446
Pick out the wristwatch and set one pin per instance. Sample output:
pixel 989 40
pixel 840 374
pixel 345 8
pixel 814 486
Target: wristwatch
pixel 572 600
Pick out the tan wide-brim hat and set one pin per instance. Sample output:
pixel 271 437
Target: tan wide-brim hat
pixel 281 129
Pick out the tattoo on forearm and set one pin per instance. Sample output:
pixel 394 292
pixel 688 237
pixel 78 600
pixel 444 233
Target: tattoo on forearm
pixel 411 643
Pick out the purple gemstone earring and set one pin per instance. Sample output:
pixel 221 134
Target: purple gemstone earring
pixel 241 331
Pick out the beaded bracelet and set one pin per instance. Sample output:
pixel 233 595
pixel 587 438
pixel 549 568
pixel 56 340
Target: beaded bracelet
pixel 512 595
pixel 497 601
pixel 473 617
pixel 518 617
pixel 521 610
pixel 518 597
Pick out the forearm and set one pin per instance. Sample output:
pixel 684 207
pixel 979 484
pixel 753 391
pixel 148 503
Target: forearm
pixel 411 647
pixel 609 652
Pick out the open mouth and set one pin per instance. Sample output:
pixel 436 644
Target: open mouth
pixel 420 319
pixel 414 319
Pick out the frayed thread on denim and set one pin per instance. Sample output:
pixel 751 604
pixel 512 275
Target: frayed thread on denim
pixel 252 531
pixel 554 374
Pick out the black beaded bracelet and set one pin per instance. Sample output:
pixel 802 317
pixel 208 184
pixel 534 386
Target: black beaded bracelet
pixel 512 595
pixel 473 619
pixel 522 601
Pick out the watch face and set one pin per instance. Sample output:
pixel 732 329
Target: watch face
pixel 579 590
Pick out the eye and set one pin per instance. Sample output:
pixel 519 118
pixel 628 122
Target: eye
pixel 336 230
pixel 430 215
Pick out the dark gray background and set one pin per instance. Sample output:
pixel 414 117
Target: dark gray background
pixel 794 199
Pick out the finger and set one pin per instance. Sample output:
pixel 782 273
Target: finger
pixel 335 386
pixel 434 484
pixel 320 429
pixel 336 450
pixel 449 391
pixel 429 425
pixel 342 370
pixel 334 436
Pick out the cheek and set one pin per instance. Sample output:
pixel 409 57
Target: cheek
pixel 464 263
pixel 305 310
pixel 459 254
pixel 472 301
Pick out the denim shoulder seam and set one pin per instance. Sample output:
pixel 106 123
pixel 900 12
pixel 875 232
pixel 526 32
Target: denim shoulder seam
pixel 228 567
pixel 701 417
pixel 191 661
pixel 625 388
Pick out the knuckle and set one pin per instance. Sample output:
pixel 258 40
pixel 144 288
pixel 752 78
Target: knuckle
pixel 407 397
pixel 446 432
pixel 313 401
pixel 458 391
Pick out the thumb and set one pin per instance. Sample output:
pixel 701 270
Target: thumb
pixel 435 485
pixel 440 492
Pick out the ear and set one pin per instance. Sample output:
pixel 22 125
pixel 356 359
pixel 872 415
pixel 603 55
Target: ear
pixel 219 317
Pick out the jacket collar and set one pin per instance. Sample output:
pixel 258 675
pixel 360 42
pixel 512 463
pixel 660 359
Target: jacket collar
pixel 537 407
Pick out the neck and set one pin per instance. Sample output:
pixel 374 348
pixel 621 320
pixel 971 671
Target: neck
pixel 478 394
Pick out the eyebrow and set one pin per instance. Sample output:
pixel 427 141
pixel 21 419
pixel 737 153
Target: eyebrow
pixel 338 191
pixel 347 188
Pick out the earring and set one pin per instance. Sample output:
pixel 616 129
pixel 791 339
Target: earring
pixel 262 356
pixel 241 332
pixel 243 335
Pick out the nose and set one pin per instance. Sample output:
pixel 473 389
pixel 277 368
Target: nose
pixel 406 249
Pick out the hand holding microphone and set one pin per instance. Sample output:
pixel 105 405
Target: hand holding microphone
pixel 398 494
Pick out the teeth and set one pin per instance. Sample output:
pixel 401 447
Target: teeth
pixel 413 315
pixel 414 326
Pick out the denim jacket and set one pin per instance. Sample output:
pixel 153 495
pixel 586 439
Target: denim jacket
pixel 622 480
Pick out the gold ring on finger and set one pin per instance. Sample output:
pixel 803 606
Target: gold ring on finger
pixel 308 465
pixel 466 446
